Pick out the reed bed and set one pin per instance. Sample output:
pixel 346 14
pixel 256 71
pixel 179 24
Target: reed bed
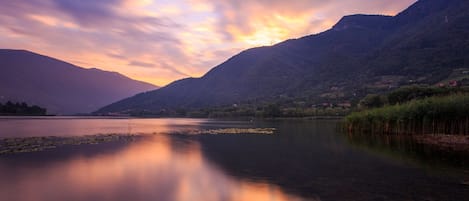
pixel 434 115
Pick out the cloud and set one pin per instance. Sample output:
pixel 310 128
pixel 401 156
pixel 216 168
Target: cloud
pixel 259 21
pixel 166 40
pixel 141 64
pixel 88 12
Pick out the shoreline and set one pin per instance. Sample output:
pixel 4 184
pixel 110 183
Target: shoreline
pixel 459 143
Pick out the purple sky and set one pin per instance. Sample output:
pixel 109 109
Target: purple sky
pixel 159 41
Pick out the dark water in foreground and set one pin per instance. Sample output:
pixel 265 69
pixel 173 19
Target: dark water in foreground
pixel 303 160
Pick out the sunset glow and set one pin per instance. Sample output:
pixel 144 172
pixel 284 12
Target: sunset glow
pixel 159 41
pixel 188 177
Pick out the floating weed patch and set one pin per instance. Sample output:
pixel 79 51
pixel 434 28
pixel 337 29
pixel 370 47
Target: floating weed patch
pixel 262 131
pixel 33 144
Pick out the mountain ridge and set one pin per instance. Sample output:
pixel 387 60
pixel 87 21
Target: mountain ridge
pixel 61 87
pixel 351 60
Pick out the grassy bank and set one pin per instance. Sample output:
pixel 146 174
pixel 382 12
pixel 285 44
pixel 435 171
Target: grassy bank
pixel 434 115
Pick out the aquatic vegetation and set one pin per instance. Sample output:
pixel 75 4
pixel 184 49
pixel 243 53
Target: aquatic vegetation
pixel 433 115
pixel 266 131
pixel 33 144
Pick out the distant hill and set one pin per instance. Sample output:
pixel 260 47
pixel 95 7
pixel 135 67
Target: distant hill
pixel 361 54
pixel 60 87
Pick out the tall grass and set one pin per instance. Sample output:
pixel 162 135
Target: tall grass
pixel 434 115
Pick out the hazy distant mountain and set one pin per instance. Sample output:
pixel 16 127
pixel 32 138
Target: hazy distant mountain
pixel 361 54
pixel 61 87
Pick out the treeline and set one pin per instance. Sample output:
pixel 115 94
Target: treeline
pixel 269 110
pixel 433 115
pixel 22 108
pixel 406 94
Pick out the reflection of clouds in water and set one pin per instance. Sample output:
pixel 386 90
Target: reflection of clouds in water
pixel 147 170
pixel 77 126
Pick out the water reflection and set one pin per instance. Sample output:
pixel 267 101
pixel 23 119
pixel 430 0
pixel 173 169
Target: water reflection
pixel 307 160
pixel 76 126
pixel 313 159
pixel 405 148
pixel 145 170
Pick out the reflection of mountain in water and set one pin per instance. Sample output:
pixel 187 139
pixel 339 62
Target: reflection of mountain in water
pixel 307 160
pixel 313 160
pixel 160 168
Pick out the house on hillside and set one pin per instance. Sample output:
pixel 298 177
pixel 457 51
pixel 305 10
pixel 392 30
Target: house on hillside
pixel 454 83
pixel 344 105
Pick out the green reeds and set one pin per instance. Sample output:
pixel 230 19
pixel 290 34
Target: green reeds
pixel 434 115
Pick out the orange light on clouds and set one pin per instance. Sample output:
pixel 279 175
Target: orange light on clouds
pixel 47 20
pixel 169 39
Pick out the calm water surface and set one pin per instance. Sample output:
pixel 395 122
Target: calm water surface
pixel 303 160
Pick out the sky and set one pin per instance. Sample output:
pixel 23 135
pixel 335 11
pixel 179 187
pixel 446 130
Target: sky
pixel 159 41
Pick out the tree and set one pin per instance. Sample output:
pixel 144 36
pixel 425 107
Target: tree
pixel 272 110
pixel 10 108
pixel 373 101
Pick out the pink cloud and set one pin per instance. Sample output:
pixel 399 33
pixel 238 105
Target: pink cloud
pixel 161 41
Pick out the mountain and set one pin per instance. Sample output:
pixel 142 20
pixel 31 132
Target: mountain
pixel 361 54
pixel 61 87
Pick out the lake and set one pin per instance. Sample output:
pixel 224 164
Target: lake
pixel 302 160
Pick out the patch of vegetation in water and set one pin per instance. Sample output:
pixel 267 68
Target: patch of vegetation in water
pixel 34 144
pixel 264 131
